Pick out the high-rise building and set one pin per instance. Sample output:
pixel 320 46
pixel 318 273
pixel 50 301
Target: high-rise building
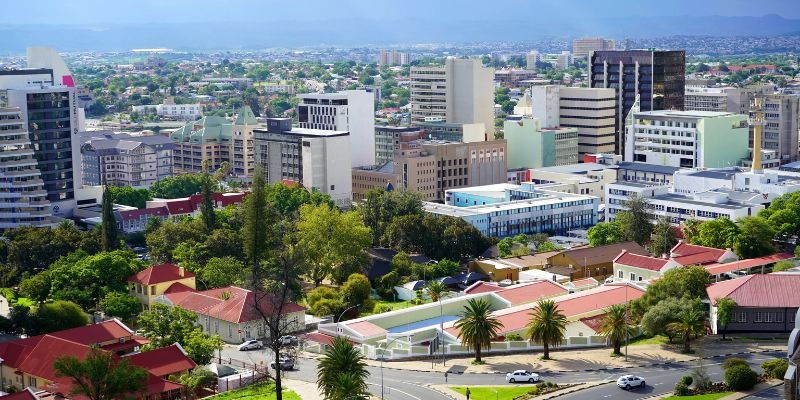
pixel 461 91
pixel 318 159
pixel 531 58
pixel 564 60
pixel 121 159
pixel 687 139
pixel 392 58
pixel 530 146
pixel 50 113
pixel 347 111
pixel 583 47
pixel 722 99
pixel 657 77
pixel 781 125
pixel 24 196
pixel 216 140
pixel 589 110
pixel 390 138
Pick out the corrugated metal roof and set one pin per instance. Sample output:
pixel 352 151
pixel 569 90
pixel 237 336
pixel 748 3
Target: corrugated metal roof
pixel 768 291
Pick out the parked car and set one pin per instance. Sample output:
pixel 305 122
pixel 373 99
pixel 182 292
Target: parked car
pixel 628 381
pixel 287 364
pixel 288 340
pixel 251 345
pixel 521 375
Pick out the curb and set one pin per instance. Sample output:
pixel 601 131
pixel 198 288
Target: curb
pixel 585 370
pixel 574 389
pixel 443 393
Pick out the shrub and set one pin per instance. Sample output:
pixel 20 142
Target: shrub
pixel 381 308
pixel 514 337
pixel 681 389
pixel 776 368
pixel 321 293
pixel 332 307
pixel 687 380
pixel 732 362
pixel 740 377
pixel 534 390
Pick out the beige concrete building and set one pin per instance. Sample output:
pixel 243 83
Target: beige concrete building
pixel 589 110
pixel 586 178
pixel 583 47
pixel 373 177
pixel 216 140
pixel 461 91
pixel 780 132
pixel 722 99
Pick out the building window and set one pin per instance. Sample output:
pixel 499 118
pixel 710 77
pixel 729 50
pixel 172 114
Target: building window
pixel 216 326
pixel 767 317
pixel 32 381
pixel 230 331
pixel 779 316
pixel 742 316
pixel 620 274
pixel 758 316
pixel 153 290
pixel 633 276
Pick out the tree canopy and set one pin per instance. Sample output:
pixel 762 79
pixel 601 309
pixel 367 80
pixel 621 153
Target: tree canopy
pixel 101 375
pixel 178 186
pixel 437 237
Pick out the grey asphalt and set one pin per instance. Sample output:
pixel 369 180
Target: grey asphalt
pixel 773 393
pixel 405 385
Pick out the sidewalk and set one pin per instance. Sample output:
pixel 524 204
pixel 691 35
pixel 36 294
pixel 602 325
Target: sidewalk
pixel 445 390
pixel 584 360
pixel 306 390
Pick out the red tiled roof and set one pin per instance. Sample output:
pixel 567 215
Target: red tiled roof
pixel 530 292
pixel 39 361
pixel 716 269
pixel 770 290
pixel 159 274
pixel 13 353
pixel 180 206
pixel 25 394
pixel 136 214
pixel 239 306
pixel 111 330
pixel 366 328
pixel 178 287
pixel 136 341
pixel 482 287
pixel 318 337
pixel 689 254
pixel 164 361
pixel 639 261
pixel 594 322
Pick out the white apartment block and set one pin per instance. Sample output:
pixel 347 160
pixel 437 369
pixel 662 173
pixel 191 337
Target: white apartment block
pixel 782 123
pixel 531 58
pixel 686 139
pixel 185 112
pixel 317 159
pixel 461 91
pixel 347 111
pixel 392 58
pixel 564 60
pixel 589 110
pixel 125 160
pixel 23 199
pixel 583 47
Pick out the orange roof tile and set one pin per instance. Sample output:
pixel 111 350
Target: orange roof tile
pixel 159 274
pixel 164 361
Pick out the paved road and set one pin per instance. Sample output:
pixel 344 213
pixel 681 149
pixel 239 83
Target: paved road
pixel 410 385
pixel 774 393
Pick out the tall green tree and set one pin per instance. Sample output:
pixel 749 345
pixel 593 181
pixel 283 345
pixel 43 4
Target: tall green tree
pixel 436 290
pixel 783 214
pixel 333 242
pixel 379 208
pixel 654 320
pixel 86 279
pixel 635 220
pixel 664 237
pixel 477 327
pixel 616 326
pixel 605 233
pixel 687 282
pixel 725 307
pixel 177 186
pixel 164 325
pixel 101 375
pixel 719 233
pixel 754 239
pixel 547 326
pixel 109 225
pixel 129 196
pixel 342 371
pixel 120 305
pixel 207 204
pixel 689 323
pixel 59 315
pixel 256 229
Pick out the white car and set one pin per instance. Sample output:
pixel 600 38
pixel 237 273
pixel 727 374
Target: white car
pixel 628 381
pixel 521 375
pixel 251 345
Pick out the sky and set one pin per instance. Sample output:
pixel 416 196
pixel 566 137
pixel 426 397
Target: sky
pixel 183 11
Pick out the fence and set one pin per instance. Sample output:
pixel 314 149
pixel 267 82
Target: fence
pixel 242 379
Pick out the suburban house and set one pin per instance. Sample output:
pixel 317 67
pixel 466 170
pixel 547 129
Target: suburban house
pixel 158 279
pixel 380 262
pixel 765 303
pixel 230 312
pixel 690 254
pixel 28 363
pixel 596 262
pixel 510 267
pixel 638 268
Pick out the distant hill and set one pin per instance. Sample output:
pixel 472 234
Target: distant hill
pixel 209 36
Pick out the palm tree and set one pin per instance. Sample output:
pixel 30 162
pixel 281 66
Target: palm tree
pixel 547 326
pixel 436 290
pixel 615 326
pixel 690 322
pixel 477 327
pixel 342 370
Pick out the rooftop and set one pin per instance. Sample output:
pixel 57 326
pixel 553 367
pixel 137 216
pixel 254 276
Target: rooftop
pixel 160 273
pixel 769 290
pixel 683 114
pixel 644 167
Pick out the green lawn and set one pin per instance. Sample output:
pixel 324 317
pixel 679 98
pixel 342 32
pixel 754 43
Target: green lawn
pixel 488 393
pixel 710 396
pixel 657 339
pixel 263 391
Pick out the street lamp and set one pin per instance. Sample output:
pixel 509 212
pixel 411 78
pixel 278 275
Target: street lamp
pixel 383 355
pixel 342 316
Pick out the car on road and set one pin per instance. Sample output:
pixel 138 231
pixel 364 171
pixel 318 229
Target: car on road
pixel 287 364
pixel 628 381
pixel 288 340
pixel 251 345
pixel 521 375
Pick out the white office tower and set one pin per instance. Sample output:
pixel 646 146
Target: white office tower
pixel 531 59
pixel 347 111
pixel 45 57
pixel 461 91
pixel 564 60
pixel 50 113
pixel 24 200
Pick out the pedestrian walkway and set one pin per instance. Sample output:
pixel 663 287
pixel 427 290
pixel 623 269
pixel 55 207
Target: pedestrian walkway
pixel 593 359
pixel 306 390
